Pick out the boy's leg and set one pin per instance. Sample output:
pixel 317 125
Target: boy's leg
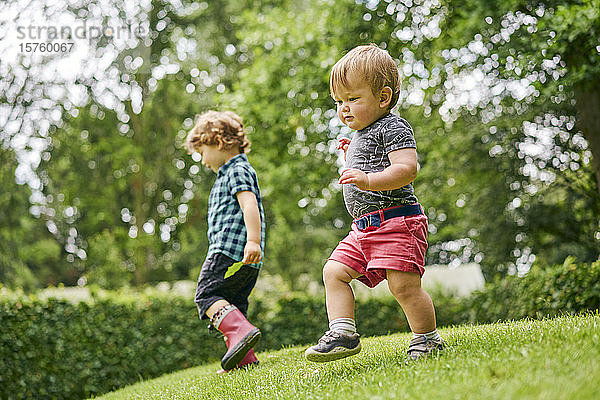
pixel 339 297
pixel 237 289
pixel 225 301
pixel 250 358
pixel 419 311
pixel 240 335
pixel 415 302
pixel 216 306
pixel 341 340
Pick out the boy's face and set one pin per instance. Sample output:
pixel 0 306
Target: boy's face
pixel 357 106
pixel 213 157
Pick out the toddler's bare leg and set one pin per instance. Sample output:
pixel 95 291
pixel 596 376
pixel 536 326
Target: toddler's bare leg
pixel 214 307
pixel 341 340
pixel 415 302
pixel 339 297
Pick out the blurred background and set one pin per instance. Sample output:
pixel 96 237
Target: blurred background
pixel 103 214
pixel 96 189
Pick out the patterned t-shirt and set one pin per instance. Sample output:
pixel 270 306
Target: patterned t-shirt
pixel 368 151
pixel 226 229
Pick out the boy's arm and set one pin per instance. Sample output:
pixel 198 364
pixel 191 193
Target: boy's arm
pixel 401 172
pixel 249 206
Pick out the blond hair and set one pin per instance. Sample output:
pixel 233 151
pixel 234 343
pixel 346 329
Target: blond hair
pixel 371 63
pixel 222 128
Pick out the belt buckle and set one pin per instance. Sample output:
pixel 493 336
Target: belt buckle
pixel 370 222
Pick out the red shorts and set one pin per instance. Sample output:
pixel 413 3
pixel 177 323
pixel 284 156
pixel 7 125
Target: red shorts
pixel 399 244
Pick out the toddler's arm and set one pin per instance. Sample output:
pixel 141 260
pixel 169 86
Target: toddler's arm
pixel 401 172
pixel 249 206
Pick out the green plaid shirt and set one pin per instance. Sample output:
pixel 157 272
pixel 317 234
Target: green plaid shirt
pixel 226 228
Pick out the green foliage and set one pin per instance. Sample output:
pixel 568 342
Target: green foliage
pixel 57 349
pixel 567 288
pixel 108 266
pixel 29 255
pixel 506 176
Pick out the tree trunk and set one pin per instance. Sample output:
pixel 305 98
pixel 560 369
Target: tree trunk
pixel 588 119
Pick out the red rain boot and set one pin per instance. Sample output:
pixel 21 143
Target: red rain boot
pixel 248 361
pixel 240 335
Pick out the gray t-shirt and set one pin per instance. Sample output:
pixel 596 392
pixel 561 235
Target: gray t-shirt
pixel 368 151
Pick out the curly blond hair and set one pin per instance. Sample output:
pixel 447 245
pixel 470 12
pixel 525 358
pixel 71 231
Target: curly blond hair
pixel 222 128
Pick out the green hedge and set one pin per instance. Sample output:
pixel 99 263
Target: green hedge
pixel 560 289
pixel 57 349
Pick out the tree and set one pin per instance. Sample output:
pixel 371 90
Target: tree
pixel 463 89
pixel 115 173
pixel 27 249
pixel 558 39
pixel 537 68
pixel 498 95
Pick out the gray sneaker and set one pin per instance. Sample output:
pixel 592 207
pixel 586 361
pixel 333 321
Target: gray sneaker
pixel 420 347
pixel 333 346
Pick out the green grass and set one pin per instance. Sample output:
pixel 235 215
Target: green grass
pixel 556 358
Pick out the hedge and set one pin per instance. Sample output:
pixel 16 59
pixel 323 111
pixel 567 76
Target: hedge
pixel 55 349
pixel 543 292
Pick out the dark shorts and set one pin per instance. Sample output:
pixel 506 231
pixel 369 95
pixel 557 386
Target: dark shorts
pixel 213 285
pixel 398 243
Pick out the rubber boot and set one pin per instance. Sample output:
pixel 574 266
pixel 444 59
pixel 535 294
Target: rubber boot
pixel 248 361
pixel 240 335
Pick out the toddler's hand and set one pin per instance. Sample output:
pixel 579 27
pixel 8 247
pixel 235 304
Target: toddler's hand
pixel 355 176
pixel 252 253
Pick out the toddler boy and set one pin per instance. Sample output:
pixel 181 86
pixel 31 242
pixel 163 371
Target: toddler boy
pixel 389 232
pixel 236 234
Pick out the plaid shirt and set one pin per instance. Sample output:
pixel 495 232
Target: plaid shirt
pixel 226 228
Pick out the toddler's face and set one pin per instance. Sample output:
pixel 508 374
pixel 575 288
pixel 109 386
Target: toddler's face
pixel 212 156
pixel 357 106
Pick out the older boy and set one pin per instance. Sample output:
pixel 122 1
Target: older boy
pixel 236 234
pixel 389 233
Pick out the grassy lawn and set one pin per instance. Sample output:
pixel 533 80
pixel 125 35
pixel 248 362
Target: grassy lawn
pixel 556 358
